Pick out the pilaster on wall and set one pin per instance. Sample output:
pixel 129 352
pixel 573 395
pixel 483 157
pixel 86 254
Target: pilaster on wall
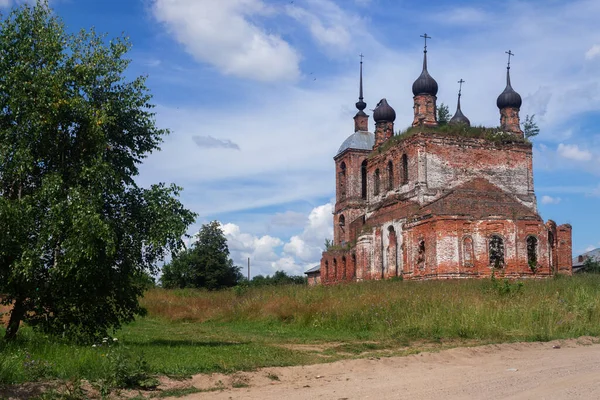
pixel 564 249
pixel 425 110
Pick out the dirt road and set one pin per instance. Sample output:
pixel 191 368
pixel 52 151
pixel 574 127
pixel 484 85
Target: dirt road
pixel 555 370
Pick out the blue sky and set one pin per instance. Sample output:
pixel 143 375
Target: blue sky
pixel 260 94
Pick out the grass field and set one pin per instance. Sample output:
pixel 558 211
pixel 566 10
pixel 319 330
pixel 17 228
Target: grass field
pixel 190 331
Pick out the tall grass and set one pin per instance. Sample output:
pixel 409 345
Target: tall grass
pixel 478 309
pixel 193 331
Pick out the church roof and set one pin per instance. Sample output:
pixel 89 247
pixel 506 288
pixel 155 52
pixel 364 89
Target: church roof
pixel 313 269
pixel 360 140
pixel 479 199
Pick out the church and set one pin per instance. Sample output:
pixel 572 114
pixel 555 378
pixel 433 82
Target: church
pixel 439 200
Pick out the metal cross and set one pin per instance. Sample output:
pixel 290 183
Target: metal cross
pixel 425 37
pixel 510 53
pixel 460 87
pixel 361 57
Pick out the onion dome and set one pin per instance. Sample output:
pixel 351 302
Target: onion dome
pixel 459 117
pixel 384 112
pixel 425 84
pixel 359 140
pixel 509 98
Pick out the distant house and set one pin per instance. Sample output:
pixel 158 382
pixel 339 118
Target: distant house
pixel 313 275
pixel 580 260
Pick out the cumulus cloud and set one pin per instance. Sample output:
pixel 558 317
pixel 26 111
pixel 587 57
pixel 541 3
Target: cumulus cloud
pixel 573 152
pixel 210 142
pixel 593 52
pixel 550 200
pixel 269 254
pixel 308 246
pixel 224 33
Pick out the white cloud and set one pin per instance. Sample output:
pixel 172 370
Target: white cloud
pixel 224 34
pixel 593 52
pixel 309 245
pixel 573 152
pixel 269 254
pixel 550 200
pixel 327 23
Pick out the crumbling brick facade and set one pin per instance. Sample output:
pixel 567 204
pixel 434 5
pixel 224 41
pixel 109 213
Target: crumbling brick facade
pixel 438 205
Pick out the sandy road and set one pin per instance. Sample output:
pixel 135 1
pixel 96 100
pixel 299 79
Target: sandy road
pixel 506 371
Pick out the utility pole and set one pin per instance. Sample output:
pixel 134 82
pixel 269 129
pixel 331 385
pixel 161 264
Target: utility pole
pixel 248 269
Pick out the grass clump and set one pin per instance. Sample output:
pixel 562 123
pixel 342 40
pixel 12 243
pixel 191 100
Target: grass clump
pixel 491 134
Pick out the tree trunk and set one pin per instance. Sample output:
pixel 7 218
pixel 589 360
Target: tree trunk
pixel 16 316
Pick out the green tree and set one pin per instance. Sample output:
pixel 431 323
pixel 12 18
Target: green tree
pixel 591 266
pixel 79 236
pixel 205 265
pixel 443 114
pixel 278 278
pixel 530 127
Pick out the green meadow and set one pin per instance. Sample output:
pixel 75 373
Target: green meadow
pixel 192 331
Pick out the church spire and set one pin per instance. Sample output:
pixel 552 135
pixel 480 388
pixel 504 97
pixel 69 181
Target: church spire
pixel 425 89
pixel 361 119
pixel 459 117
pixel 509 102
pixel 361 105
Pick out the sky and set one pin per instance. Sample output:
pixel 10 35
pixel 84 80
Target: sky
pixel 259 95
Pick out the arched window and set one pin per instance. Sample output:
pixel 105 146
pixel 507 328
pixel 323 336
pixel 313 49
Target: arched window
pixel 342 180
pixel 468 254
pixel 551 249
pixel 363 175
pixel 532 244
pixel 344 270
pixel 376 182
pixel 342 224
pixel 496 251
pixel 404 169
pixel 390 175
pixel 353 266
pixel 421 255
pixel 335 269
pixel 342 220
pixel 326 274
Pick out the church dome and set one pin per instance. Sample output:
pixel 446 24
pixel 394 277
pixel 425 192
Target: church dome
pixel 459 118
pixel 384 112
pixel 360 140
pixel 425 84
pixel 509 98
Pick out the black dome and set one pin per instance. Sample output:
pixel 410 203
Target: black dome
pixel 459 118
pixel 509 98
pixel 425 84
pixel 384 112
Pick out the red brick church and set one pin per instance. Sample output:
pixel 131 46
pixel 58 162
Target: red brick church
pixel 439 201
